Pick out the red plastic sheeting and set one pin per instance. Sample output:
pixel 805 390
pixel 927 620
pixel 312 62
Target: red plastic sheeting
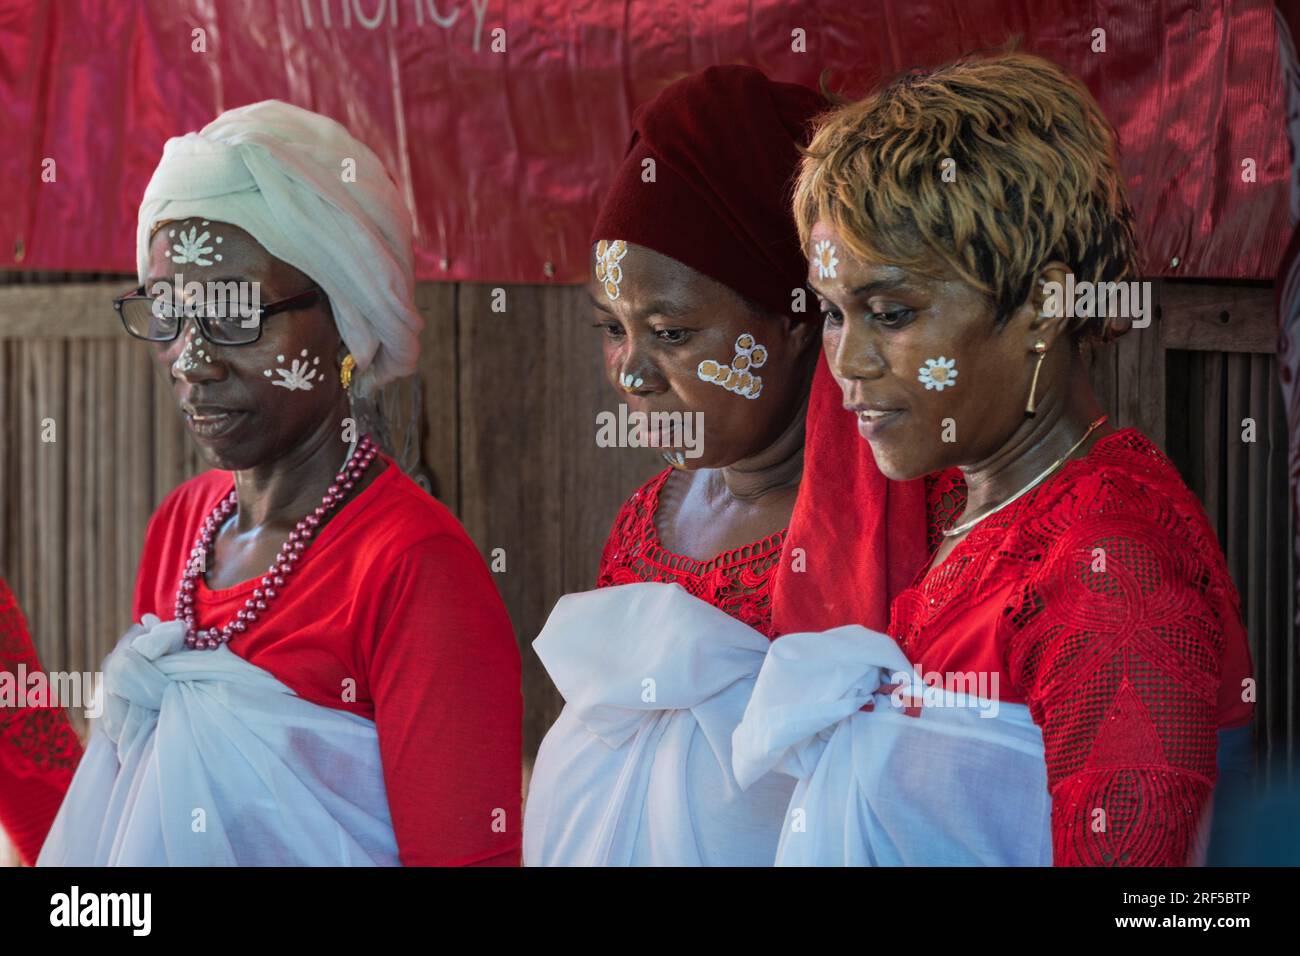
pixel 503 155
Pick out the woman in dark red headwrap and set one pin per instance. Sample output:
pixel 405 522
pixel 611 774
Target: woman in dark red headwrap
pixel 698 286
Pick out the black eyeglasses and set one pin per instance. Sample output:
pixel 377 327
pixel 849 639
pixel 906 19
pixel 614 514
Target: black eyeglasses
pixel 222 320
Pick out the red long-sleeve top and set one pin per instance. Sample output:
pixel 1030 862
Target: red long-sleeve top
pixel 1102 601
pixel 391 614
pixel 39 750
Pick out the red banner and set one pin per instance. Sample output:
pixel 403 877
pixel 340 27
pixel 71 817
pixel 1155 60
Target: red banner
pixel 503 122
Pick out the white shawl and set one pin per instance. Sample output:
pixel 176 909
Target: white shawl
pixel 637 769
pixel 963 783
pixel 202 759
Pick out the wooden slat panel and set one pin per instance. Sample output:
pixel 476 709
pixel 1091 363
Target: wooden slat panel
pixel 1219 317
pixel 83 616
pixel 510 477
pixel 1234 459
pixel 1207 444
pixel 51 462
pixel 101 481
pixel 438 373
pixel 71 310
pixel 1102 372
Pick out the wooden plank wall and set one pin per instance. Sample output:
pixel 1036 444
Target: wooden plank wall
pixel 509 402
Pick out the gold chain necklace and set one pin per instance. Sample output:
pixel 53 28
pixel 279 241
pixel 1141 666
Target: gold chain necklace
pixel 967 525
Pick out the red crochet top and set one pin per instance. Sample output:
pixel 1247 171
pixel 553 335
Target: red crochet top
pixel 738 581
pixel 39 750
pixel 1102 601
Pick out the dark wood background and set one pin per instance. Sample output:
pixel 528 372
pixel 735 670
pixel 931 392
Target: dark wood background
pixel 509 403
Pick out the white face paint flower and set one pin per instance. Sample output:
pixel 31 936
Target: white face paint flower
pixel 298 375
pixel 193 247
pixel 824 256
pixel 937 374
pixel 608 270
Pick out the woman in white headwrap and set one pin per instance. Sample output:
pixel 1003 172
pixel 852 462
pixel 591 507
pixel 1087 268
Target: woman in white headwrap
pixel 323 672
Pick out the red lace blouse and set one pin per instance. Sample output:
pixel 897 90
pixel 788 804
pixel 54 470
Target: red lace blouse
pixel 1102 601
pixel 39 750
pixel 738 581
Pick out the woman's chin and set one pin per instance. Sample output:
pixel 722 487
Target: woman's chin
pixel 897 467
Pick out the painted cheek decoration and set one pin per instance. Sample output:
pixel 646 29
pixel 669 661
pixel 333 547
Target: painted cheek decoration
pixel 938 374
pixel 824 256
pixel 298 375
pixel 608 270
pixel 193 246
pixel 737 377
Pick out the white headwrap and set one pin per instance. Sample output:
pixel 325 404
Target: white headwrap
pixel 283 175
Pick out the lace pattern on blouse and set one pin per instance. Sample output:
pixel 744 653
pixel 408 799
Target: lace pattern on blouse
pixel 1112 598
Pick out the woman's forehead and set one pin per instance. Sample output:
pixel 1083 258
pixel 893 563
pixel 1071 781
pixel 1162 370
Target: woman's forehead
pixel 213 246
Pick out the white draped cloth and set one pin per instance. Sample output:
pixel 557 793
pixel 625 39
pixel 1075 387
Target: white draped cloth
pixel 962 783
pixel 637 769
pixel 202 759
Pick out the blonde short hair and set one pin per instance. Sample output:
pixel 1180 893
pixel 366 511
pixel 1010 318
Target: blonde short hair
pixel 1036 177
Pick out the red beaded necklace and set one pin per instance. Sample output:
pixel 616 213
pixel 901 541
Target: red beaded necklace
pixel 210 639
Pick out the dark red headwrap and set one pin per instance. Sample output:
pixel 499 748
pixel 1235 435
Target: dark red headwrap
pixel 725 144
pixel 725 148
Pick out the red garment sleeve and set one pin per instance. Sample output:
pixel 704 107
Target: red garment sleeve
pixel 39 750
pixel 1118 648
pixel 444 675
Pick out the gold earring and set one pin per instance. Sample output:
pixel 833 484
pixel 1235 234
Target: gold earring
pixel 1041 348
pixel 345 372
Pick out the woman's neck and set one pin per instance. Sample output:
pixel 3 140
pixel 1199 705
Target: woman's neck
pixel 1064 416
pixel 281 492
pixel 779 465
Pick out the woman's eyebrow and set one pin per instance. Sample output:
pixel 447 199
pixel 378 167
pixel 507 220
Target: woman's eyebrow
pixel 664 307
pixel 880 285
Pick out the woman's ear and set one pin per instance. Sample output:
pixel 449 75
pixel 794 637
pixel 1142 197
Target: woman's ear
pixel 1043 315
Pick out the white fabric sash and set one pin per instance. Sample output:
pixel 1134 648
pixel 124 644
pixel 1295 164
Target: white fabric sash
pixel 637 769
pixel 203 759
pixel 952 786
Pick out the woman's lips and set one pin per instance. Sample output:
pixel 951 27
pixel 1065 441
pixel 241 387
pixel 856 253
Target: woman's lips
pixel 871 422
pixel 211 423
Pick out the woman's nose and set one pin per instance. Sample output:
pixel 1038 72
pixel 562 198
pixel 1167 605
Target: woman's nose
pixel 193 358
pixel 857 355
pixel 637 372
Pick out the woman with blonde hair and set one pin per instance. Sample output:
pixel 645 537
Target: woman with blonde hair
pixel 1052 682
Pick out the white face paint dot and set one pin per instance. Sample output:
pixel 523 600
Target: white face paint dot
pixel 316 360
pixel 279 358
pixel 267 373
pixel 205 222
pixel 220 239
pixel 171 233
pixel 303 353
